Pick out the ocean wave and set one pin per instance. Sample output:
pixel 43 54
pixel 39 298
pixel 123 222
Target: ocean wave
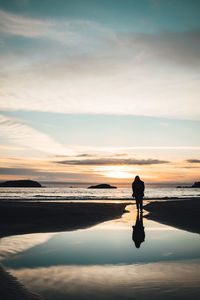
pixel 63 199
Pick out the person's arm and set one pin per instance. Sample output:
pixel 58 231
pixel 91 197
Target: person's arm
pixel 133 190
pixel 143 188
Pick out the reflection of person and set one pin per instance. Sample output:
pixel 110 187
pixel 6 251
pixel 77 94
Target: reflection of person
pixel 138 235
pixel 138 192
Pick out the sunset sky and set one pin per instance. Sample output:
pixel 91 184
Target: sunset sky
pixel 95 91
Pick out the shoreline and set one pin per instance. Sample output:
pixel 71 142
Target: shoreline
pixel 39 199
pixel 182 214
pixel 21 217
pixel 32 217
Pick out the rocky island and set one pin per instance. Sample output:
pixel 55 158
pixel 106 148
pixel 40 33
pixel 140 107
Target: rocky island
pixel 102 186
pixel 195 185
pixel 21 184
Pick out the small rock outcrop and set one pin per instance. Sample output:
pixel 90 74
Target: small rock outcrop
pixel 21 183
pixel 102 186
pixel 195 185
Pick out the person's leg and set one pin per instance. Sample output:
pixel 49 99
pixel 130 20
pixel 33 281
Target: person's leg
pixel 141 203
pixel 137 202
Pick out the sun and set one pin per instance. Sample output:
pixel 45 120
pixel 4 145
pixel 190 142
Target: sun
pixel 116 171
pixel 118 175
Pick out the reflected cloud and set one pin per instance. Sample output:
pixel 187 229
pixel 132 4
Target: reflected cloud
pixel 14 245
pixel 112 281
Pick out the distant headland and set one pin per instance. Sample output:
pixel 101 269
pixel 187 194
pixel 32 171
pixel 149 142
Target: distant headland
pixel 102 186
pixel 21 183
pixel 195 185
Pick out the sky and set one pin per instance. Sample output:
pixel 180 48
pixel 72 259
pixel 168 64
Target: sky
pixel 95 91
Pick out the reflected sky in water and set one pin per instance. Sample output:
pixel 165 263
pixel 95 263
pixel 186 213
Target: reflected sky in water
pixel 102 262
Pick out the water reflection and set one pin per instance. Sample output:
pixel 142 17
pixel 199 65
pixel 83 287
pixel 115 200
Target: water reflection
pixel 102 263
pixel 12 246
pixel 138 235
pixel 169 280
pixel 107 243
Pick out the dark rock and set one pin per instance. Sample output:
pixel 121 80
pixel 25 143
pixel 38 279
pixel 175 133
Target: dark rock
pixel 182 187
pixel 20 183
pixel 196 184
pixel 102 186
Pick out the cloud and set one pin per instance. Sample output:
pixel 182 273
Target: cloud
pixel 90 69
pixel 84 155
pixel 9 148
pixel 193 161
pixel 55 175
pixel 113 161
pixel 84 87
pixel 18 171
pixel 179 48
pixel 69 32
pixel 20 133
pixel 191 167
pixel 22 26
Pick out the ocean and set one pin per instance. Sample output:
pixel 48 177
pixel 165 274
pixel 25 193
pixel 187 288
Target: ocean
pixel 98 195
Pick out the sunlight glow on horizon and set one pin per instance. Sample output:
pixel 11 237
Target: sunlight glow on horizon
pixel 120 172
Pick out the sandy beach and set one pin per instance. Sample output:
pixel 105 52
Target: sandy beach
pixel 32 217
pixel 183 214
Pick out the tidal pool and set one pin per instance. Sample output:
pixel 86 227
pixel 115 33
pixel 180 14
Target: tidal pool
pixel 107 261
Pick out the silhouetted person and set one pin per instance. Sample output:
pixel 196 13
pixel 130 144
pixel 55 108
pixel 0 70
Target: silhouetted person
pixel 138 192
pixel 138 235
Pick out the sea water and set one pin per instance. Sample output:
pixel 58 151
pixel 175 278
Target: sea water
pixel 103 262
pixel 82 194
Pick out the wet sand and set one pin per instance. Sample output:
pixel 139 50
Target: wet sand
pixel 24 217
pixel 182 214
pixel 12 289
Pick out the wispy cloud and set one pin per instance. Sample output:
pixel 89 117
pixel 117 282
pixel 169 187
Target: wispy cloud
pixel 48 173
pixel 9 148
pixel 20 171
pixel 100 71
pixel 27 27
pixel 70 32
pixel 92 151
pixel 20 133
pixel 112 161
pixel 179 48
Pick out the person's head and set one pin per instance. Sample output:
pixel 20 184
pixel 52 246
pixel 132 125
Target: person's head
pixel 137 178
pixel 137 244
